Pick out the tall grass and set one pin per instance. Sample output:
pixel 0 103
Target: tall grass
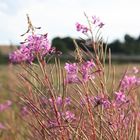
pixel 80 100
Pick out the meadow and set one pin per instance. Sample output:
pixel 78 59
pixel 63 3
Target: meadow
pixel 84 99
pixel 9 84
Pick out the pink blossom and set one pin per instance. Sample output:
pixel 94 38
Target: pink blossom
pixel 120 97
pixel 5 105
pixel 69 116
pixel 106 103
pixel 138 82
pixel 72 78
pixel 101 24
pixel 129 81
pixel 71 73
pixel 135 70
pixel 21 55
pixel 52 124
pixel 97 22
pixel 86 70
pixel 59 100
pixel 38 44
pixel 2 126
pixel 67 100
pixel 81 28
pixel 95 19
pixel 98 100
pixel 33 46
pixel 50 100
pixel 71 68
pixel 24 111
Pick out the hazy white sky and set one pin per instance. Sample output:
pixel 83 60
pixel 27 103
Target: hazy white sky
pixel 58 17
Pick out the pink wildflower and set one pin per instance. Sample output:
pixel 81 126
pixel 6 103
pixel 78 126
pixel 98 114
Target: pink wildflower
pixel 138 81
pixel 2 126
pixel 5 105
pixel 86 70
pixel 34 45
pixel 81 28
pixel 52 124
pixel 101 24
pixel 24 111
pixel 135 70
pixel 97 22
pixel 101 101
pixel 71 71
pixel 71 68
pixel 69 116
pixel 59 100
pixel 67 101
pixel 129 81
pixel 120 97
pixel 95 19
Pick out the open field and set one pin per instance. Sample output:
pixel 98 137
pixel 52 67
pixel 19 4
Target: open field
pixel 9 80
pixel 8 84
pixel 8 77
pixel 70 89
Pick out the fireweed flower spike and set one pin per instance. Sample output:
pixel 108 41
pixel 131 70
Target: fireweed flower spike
pixel 82 28
pixel 97 100
pixel 95 20
pixel 86 70
pixel 21 55
pixel 101 24
pixel 135 70
pixel 78 26
pixel 33 46
pixel 71 73
pixel 129 82
pixel 69 116
pixel 120 97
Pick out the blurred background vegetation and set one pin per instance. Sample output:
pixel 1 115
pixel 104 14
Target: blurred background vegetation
pixel 126 50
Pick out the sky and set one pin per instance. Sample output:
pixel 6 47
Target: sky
pixel 58 17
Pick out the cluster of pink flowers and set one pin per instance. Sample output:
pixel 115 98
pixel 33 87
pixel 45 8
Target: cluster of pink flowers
pixel 97 101
pixel 129 81
pixel 126 84
pixel 81 28
pixel 96 21
pixel 34 45
pixel 2 126
pixel 72 73
pixel 84 29
pixel 59 101
pixel 101 100
pixel 135 70
pixel 69 116
pixel 5 105
pixel 24 111
pixel 120 97
pixel 86 70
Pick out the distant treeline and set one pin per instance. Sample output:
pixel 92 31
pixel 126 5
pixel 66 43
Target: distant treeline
pixel 130 45
pixel 3 58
